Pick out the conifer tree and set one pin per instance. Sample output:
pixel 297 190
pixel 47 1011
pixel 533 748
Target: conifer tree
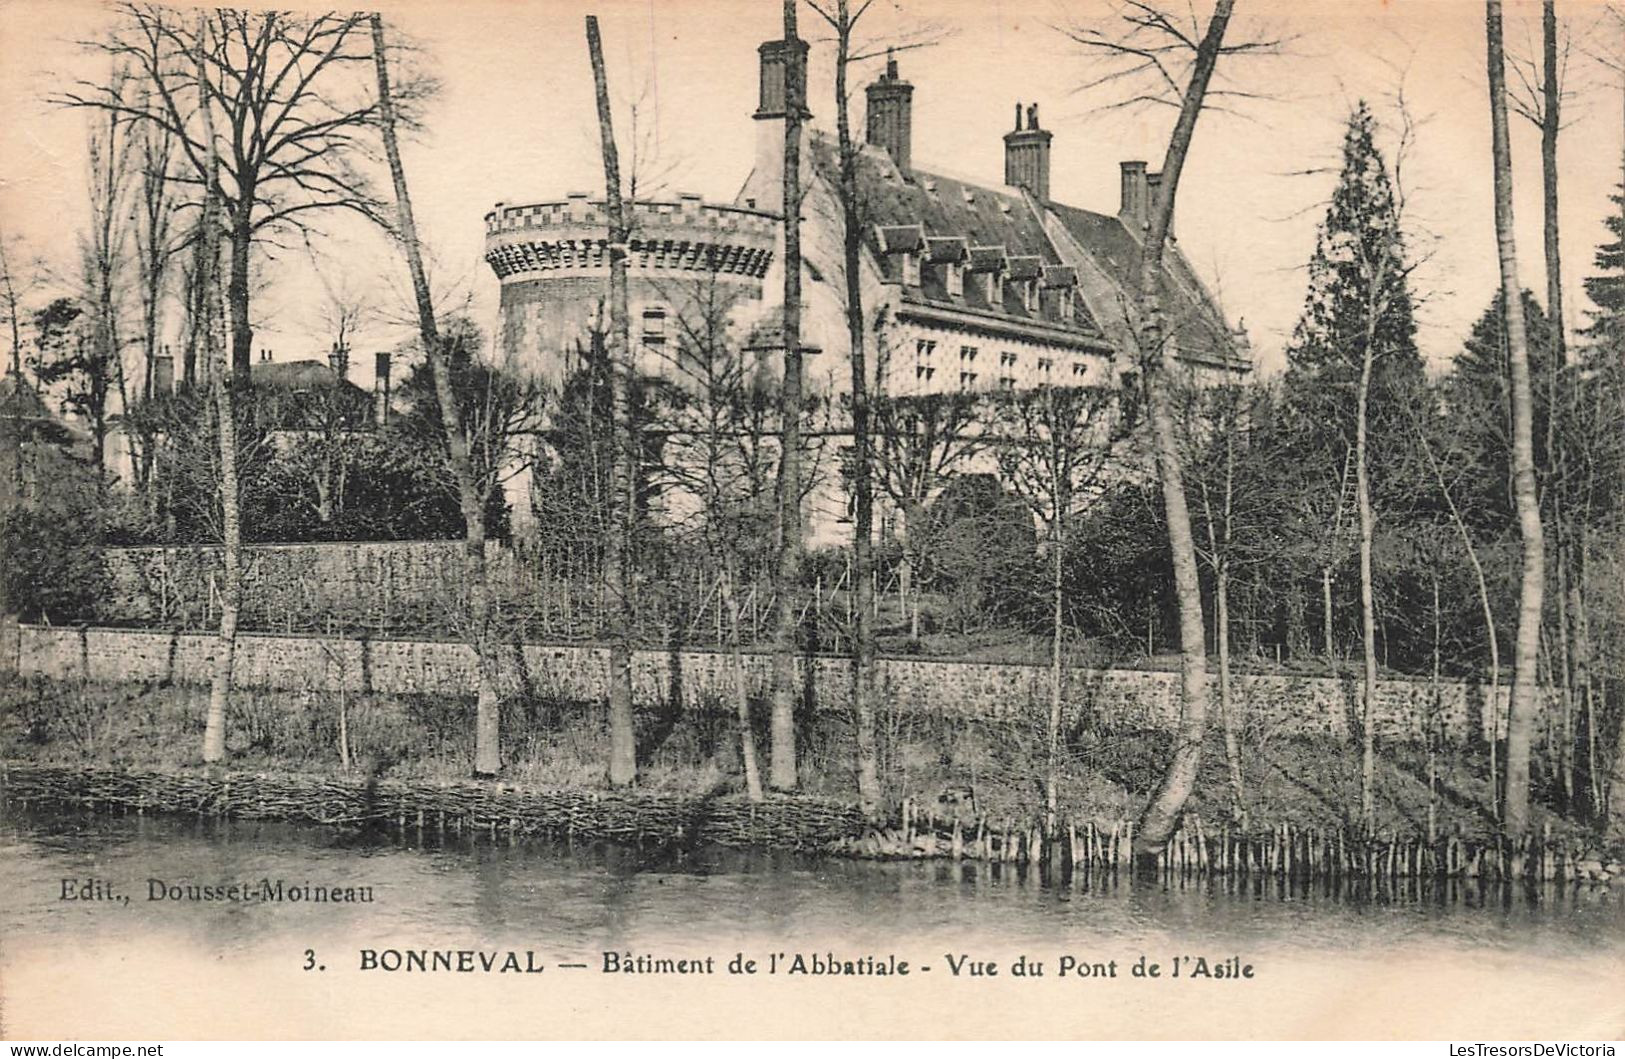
pixel 1361 230
pixel 1351 365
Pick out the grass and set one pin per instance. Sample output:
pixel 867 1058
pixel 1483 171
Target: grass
pixel 1106 775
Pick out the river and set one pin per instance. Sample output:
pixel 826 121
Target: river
pixel 224 912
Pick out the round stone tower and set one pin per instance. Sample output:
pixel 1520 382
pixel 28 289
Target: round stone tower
pixel 553 264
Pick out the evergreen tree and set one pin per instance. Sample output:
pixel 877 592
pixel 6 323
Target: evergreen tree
pixel 1346 288
pixel 1479 397
pixel 1606 289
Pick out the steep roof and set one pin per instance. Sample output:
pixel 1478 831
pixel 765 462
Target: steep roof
pixel 947 217
pixel 1199 329
pixel 298 375
pixel 950 220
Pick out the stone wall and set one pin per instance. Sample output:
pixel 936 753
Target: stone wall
pixel 1267 704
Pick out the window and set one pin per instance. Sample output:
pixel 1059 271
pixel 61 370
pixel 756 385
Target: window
pixel 1064 305
pixel 1045 364
pixel 924 347
pixel 924 372
pixel 1007 360
pixel 967 380
pixel 967 354
pixel 1007 382
pixel 911 270
pixel 956 280
pixel 654 326
pixel 1080 369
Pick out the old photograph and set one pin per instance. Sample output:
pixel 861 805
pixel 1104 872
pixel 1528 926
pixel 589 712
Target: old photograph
pixel 812 519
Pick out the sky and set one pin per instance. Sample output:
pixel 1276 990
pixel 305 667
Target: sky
pixel 515 122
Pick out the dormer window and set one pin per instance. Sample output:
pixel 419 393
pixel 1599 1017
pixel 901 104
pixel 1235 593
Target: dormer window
pixel 1024 275
pixel 1060 283
pixel 906 243
pixel 949 254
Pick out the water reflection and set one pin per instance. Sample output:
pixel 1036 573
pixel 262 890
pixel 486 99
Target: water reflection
pixel 582 897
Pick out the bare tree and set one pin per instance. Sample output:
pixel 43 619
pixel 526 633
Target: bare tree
pixel 714 456
pixel 1149 42
pixel 782 772
pixel 843 18
pixel 1525 691
pixel 1055 450
pixel 18 278
pixel 921 440
pixel 1439 467
pixel 156 243
pixel 104 248
pixel 487 725
pixel 623 760
pixel 279 87
pixel 231 598
pixel 1225 445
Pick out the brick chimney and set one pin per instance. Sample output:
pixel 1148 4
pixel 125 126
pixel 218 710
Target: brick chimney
pixel 380 390
pixel 1026 155
pixel 1153 196
pixel 163 374
pixel 766 184
pixel 1136 201
pixel 890 117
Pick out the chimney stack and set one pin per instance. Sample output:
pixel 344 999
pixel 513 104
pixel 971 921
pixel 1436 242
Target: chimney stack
pixel 890 117
pixel 1136 200
pixel 1026 155
pixel 766 185
pixel 163 374
pixel 338 358
pixel 775 58
pixel 380 390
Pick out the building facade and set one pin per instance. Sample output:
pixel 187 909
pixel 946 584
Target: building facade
pixel 967 286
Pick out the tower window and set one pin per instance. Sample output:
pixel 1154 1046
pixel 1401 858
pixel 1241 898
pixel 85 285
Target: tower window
pixel 654 325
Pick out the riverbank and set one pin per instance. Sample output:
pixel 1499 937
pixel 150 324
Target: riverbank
pixel 986 775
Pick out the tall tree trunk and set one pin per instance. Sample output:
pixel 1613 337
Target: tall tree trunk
pixel 786 571
pixel 487 723
pixel 1219 548
pixel 863 640
pixel 242 330
pixel 1160 365
pixel 1492 704
pixel 1525 692
pixel 1551 124
pixel 736 658
pixel 14 311
pixel 214 725
pixel 623 751
pixel 1368 607
pixel 1057 672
